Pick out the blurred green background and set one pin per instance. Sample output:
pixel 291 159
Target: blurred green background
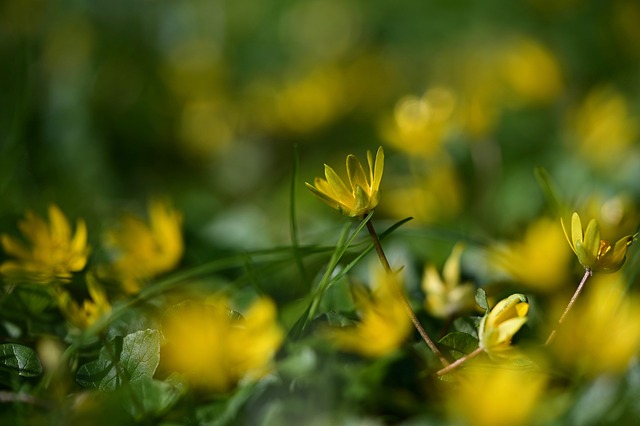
pixel 107 103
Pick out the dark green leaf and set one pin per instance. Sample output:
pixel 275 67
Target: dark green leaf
pixel 136 359
pixel 459 344
pixel 151 397
pixel 20 359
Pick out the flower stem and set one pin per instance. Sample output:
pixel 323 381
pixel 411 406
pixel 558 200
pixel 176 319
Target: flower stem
pixel 586 276
pixel 407 306
pixel 459 362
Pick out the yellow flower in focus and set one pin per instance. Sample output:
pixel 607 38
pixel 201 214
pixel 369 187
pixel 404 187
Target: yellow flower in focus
pixel 53 252
pixel 604 128
pixel 384 324
pixel 85 315
pixel 446 296
pixel 540 261
pixel 602 333
pixel 496 396
pixel 145 250
pixel 363 194
pixel 214 351
pixel 593 253
pixel 498 327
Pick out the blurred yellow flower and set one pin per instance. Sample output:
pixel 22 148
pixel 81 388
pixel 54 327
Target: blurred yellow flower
pixel 85 315
pixel 603 127
pixel 362 197
pixel 53 252
pixel 446 296
pixel 435 197
pixel 593 253
pixel 498 327
pixel 419 125
pixel 143 251
pixel 384 324
pixel 540 261
pixel 602 333
pixel 496 396
pixel 531 70
pixel 215 351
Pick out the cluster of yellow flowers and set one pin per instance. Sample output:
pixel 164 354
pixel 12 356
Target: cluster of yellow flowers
pixel 539 261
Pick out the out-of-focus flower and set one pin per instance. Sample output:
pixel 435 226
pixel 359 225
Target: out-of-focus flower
pixel 603 127
pixel 384 322
pixel 616 215
pixel 85 315
pixel 362 197
pixel 540 260
pixel 143 251
pixel 419 125
pixel 435 197
pixel 53 252
pixel 593 253
pixel 480 399
pixel 446 296
pixel 498 327
pixel 531 71
pixel 602 333
pixel 213 350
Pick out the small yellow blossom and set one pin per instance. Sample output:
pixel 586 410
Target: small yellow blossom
pixel 446 296
pixel 593 253
pixel 602 333
pixel 540 261
pixel 53 252
pixel 384 325
pixel 214 351
pixel 143 251
pixel 419 125
pixel 603 127
pixel 498 327
pixel 362 197
pixel 496 396
pixel 85 315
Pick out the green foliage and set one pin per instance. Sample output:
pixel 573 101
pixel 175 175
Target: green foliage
pixel 19 359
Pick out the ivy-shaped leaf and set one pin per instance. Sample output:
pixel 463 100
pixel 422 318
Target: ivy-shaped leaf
pixel 127 360
pixel 19 359
pixel 481 300
pixel 459 344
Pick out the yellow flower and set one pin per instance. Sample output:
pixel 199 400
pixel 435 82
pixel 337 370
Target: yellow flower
pixel 498 327
pixel 496 396
pixel 214 351
pixel 593 253
pixel 53 252
pixel 540 260
pixel 143 251
pixel 419 125
pixel 85 315
pixel 362 197
pixel 446 296
pixel 384 325
pixel 602 333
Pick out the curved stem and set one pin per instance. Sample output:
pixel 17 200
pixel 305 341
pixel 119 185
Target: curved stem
pixel 459 362
pixel 407 306
pixel 586 276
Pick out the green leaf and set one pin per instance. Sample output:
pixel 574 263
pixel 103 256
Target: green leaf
pixel 550 193
pixel 127 360
pixel 481 300
pixel 19 359
pixel 149 397
pixel 459 344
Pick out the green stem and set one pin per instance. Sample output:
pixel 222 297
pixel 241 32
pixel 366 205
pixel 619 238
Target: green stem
pixel 407 306
pixel 586 276
pixel 459 362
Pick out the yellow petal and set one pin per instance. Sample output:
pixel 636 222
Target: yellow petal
pixel 592 237
pixel 14 248
pixel 343 194
pixel 576 229
pixel 356 175
pixel 60 228
pixel 451 269
pixel 377 171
